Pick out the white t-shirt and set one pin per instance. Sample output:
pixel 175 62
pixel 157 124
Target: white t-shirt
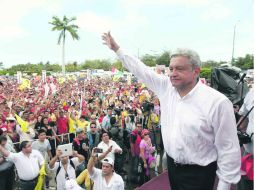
pixel 28 167
pixel 116 182
pixel 105 147
pixel 42 147
pixel 60 178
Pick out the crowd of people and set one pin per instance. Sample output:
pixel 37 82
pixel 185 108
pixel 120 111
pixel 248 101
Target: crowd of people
pixel 96 113
pixel 117 128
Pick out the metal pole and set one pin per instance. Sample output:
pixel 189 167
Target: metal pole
pixel 233 50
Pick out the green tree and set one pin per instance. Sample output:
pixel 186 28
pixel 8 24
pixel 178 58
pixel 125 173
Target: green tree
pixel 211 63
pixel 245 63
pixel 206 73
pixel 163 59
pixel 149 60
pixel 64 26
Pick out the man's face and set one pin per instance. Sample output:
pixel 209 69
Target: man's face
pixel 31 116
pixel 42 136
pixel 64 159
pixel 28 148
pixel 93 128
pixel 3 143
pixel 109 112
pixel 105 137
pixel 139 127
pixel 182 74
pixel 106 169
pixel 81 135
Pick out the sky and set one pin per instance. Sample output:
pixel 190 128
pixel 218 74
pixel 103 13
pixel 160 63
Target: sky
pixel 139 26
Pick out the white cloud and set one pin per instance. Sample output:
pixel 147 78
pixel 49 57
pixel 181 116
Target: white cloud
pixel 13 11
pixel 132 3
pixel 216 12
pixel 11 31
pixel 93 22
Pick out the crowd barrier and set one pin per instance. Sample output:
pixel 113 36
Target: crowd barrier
pixel 61 137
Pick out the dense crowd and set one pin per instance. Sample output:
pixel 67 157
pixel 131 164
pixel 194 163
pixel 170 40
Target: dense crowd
pixel 121 118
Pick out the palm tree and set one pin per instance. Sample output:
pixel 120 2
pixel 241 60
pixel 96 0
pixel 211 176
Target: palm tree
pixel 63 26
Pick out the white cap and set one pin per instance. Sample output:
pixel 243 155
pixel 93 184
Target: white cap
pixel 108 160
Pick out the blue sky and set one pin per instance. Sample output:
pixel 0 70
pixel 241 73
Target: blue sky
pixel 144 26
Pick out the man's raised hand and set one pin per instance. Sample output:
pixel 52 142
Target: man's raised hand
pixel 109 41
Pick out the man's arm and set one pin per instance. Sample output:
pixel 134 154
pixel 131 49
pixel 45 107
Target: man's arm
pixel 244 123
pixel 5 152
pixel 152 80
pixel 80 157
pixel 54 159
pixel 227 145
pixel 93 159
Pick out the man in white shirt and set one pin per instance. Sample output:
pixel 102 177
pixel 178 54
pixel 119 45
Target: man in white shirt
pixel 248 125
pixel 65 167
pixel 27 162
pixel 198 123
pixel 104 178
pixel 106 143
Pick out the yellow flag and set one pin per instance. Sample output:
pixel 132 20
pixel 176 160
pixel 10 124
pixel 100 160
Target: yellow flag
pixel 25 84
pixel 143 86
pixel 23 124
pixel 61 80
pixel 41 177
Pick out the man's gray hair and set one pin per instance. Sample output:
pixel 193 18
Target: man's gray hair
pixel 188 53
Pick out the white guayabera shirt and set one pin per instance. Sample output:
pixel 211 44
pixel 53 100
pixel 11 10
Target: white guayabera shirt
pixel 198 128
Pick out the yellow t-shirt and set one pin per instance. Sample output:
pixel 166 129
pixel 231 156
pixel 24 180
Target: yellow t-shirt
pixel 82 124
pixel 72 126
pixel 84 178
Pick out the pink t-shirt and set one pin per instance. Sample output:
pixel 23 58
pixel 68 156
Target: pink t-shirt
pixel 149 149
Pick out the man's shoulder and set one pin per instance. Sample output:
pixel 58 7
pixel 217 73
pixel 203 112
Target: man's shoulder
pixel 117 177
pixel 35 152
pixel 211 92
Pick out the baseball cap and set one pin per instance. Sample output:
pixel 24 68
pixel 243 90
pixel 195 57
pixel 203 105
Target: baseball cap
pixel 108 160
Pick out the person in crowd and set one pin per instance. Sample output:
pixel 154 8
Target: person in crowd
pixel 94 119
pixel 247 125
pixel 93 136
pixel 11 130
pixel 65 167
pixel 62 123
pixel 106 120
pixel 42 144
pixel 135 139
pixel 146 151
pixel 82 123
pixel 106 143
pixel 50 133
pixel 37 126
pixel 81 145
pixel 85 181
pixel 6 167
pixel 24 127
pixel 198 123
pixel 104 178
pixel 27 162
